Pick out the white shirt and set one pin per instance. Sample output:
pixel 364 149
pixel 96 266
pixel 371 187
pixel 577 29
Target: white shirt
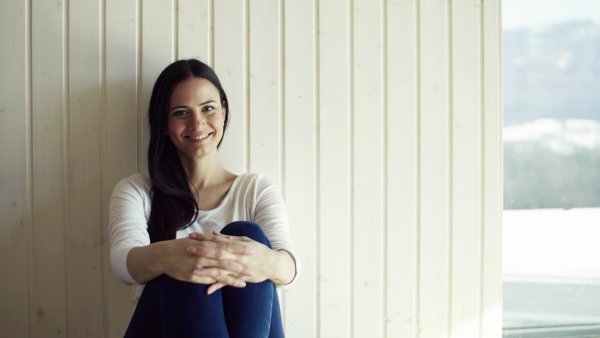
pixel 252 197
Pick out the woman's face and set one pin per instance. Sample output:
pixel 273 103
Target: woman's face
pixel 196 118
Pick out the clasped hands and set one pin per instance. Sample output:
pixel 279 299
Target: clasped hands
pixel 221 260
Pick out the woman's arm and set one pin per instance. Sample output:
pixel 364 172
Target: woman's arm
pixel 136 261
pixel 175 259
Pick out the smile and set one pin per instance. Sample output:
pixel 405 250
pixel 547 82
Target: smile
pixel 199 137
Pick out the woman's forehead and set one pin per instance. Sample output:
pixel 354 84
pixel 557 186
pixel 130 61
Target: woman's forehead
pixel 194 91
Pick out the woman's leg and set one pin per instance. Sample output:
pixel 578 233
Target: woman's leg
pixel 172 308
pixel 252 311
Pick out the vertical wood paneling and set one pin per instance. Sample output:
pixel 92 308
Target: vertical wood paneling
pixel 15 196
pixel 84 209
pixel 230 39
pixel 119 141
pixel 49 148
pixel 334 78
pixel 381 121
pixel 299 161
pixel 466 168
pixel 265 89
pixel 194 30
pixel 368 197
pixel 491 304
pixel 434 161
pixel 402 175
pixel 157 52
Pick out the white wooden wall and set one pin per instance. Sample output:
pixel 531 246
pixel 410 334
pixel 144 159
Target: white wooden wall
pixel 379 119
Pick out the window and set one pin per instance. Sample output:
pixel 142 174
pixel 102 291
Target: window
pixel 551 221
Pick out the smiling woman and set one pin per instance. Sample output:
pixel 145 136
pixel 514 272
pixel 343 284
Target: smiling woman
pixel 209 245
pixel 197 118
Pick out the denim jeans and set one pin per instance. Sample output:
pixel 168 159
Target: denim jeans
pixel 172 308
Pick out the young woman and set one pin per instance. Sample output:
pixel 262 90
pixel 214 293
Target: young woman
pixel 210 246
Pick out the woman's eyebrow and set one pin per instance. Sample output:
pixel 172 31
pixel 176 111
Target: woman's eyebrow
pixel 201 104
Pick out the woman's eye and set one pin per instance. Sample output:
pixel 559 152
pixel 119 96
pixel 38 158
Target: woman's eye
pixel 179 113
pixel 209 109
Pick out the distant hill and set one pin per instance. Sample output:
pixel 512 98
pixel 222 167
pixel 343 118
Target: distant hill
pixel 552 72
pixel 550 163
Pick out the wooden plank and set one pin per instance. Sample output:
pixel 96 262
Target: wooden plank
pixel 157 52
pixel 49 168
pixel 265 89
pixel 231 47
pixel 434 173
pixel 491 305
pixel 466 168
pixel 15 182
pixel 119 142
pixel 300 162
pixel 334 98
pixel 195 30
pixel 402 176
pixel 368 162
pixel 83 233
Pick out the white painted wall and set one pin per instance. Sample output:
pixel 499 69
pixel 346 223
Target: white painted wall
pixel 379 120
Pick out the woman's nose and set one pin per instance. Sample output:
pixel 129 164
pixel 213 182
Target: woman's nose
pixel 197 120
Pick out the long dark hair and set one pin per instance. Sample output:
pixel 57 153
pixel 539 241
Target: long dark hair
pixel 173 204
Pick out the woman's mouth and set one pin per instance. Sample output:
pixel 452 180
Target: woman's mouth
pixel 199 138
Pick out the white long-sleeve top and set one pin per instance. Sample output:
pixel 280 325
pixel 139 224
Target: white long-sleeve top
pixel 252 197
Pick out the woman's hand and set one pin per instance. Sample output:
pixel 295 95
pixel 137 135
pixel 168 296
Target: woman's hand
pixel 178 259
pixel 264 263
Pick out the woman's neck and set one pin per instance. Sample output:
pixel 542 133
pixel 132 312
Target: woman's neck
pixel 204 172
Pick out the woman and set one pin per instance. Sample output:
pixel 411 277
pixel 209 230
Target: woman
pixel 209 245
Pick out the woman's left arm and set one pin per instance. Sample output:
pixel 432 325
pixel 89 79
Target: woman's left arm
pixel 265 263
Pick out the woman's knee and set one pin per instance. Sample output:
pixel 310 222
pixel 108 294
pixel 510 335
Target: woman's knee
pixel 248 229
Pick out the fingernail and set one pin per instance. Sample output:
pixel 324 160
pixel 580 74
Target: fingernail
pixel 198 272
pixel 242 284
pixel 250 272
pixel 192 249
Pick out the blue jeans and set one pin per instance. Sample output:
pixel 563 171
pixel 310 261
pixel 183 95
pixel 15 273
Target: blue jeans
pixel 172 308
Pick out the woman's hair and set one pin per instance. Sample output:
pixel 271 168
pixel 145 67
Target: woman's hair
pixel 173 204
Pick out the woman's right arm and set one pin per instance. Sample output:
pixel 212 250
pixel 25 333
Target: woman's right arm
pixel 136 261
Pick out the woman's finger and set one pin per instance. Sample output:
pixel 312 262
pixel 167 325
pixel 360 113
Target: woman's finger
pixel 230 265
pixel 219 250
pixel 216 233
pixel 220 276
pixel 214 287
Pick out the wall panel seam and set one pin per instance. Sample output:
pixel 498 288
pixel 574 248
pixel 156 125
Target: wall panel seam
pixel 175 30
pixel 317 157
pixel 384 141
pixel 481 166
pixel 140 79
pixel 417 320
pixel 281 92
pixel 29 163
pixel 351 159
pixel 450 161
pixel 102 191
pixel 211 34
pixel 66 153
pixel 281 112
pixel 247 100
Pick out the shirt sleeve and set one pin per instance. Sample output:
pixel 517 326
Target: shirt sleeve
pixel 272 215
pixel 127 225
